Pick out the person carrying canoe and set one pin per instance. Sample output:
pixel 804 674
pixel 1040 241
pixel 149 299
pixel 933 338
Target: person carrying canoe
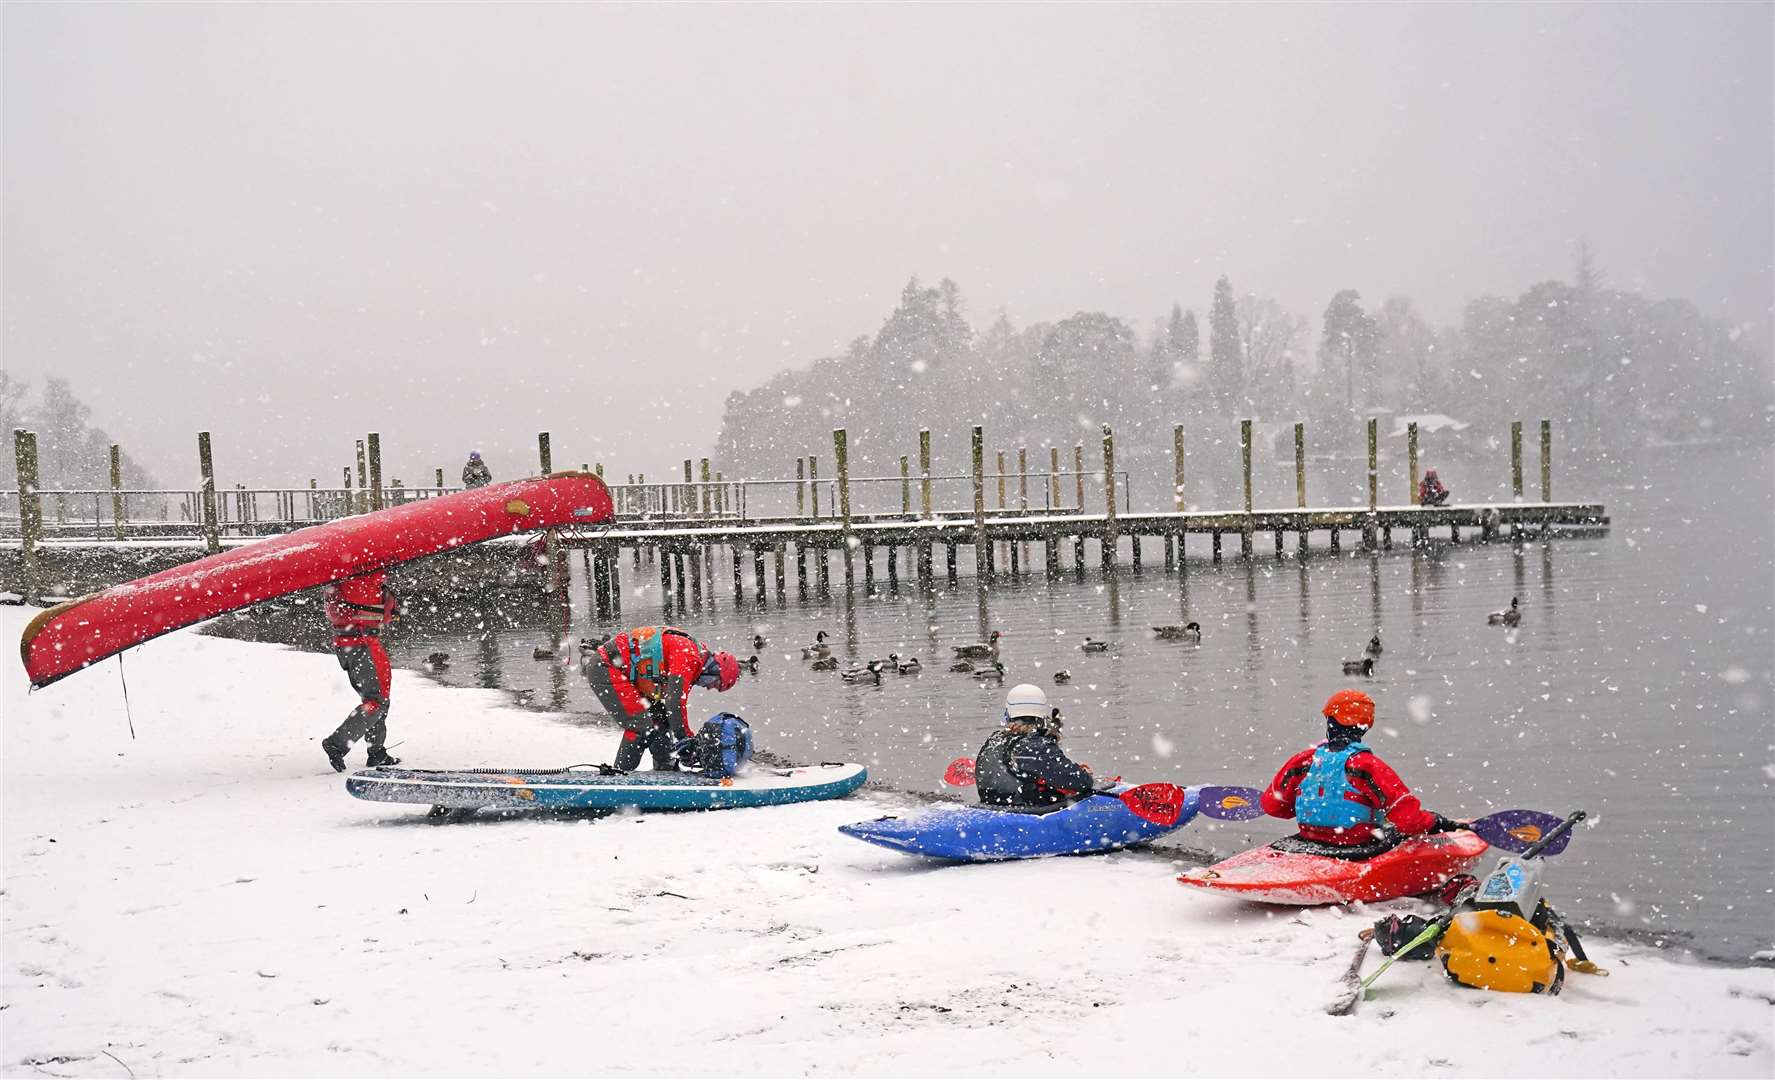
pixel 1342 794
pixel 359 608
pixel 645 675
pixel 1022 763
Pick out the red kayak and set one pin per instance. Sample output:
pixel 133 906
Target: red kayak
pixel 69 636
pixel 1419 865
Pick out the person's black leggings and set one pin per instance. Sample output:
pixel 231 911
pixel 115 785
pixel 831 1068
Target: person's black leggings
pixel 366 665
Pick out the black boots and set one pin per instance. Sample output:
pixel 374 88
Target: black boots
pixel 377 757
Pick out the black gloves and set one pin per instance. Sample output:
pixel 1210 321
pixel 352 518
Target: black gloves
pixel 1446 825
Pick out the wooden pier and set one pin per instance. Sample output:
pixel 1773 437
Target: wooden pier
pixel 683 531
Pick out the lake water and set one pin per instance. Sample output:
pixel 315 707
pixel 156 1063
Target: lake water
pixel 1640 686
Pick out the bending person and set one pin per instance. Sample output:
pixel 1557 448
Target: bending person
pixel 359 608
pixel 644 676
pixel 1022 763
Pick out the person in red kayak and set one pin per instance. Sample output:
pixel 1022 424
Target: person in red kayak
pixel 359 608
pixel 1345 798
pixel 645 675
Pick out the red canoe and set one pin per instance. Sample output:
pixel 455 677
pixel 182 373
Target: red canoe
pixel 69 636
pixel 1418 865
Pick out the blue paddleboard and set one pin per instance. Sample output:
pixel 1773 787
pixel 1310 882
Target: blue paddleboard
pixel 987 834
pixel 587 789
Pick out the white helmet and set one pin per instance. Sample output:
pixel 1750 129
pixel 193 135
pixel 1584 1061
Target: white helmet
pixel 1027 702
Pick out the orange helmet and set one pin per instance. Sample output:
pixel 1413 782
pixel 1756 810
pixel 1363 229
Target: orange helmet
pixel 1350 708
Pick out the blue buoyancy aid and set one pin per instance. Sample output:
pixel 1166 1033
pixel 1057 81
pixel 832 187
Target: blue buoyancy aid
pixel 1327 800
pixel 721 748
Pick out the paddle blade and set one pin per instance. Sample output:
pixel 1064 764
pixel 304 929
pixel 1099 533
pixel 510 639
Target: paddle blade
pixel 960 773
pixel 1161 804
pixel 1517 830
pixel 1231 803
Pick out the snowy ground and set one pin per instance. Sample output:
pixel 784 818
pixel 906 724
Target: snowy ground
pixel 206 900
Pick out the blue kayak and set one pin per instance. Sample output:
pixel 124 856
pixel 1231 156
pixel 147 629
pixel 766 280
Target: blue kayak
pixel 590 789
pixel 988 834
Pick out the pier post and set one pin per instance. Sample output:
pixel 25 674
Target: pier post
pixel 1300 482
pixel 347 502
pixel 30 511
pixel 782 553
pixel 1177 467
pixel 543 457
pixel 687 492
pixel 1054 478
pixel 206 468
pixel 678 577
pixel 739 577
pixel 1078 472
pixel 705 495
pixel 665 579
pixel 1368 530
pixel 801 569
pixel 981 555
pixel 1023 494
pixel 1419 533
pixel 373 449
pixel 949 556
pixel 313 488
pixel 758 573
pixel 696 577
pixel 117 511
pixel 440 479
pixel 362 505
pixel 1516 460
pixel 841 454
pixel 800 488
pixel 614 563
pixel 1546 461
pixel 813 485
pixel 1001 478
pixel 905 486
pixel 822 572
pixel 600 585
pixel 1110 535
pixel 868 567
pixel 1245 529
pixel 924 473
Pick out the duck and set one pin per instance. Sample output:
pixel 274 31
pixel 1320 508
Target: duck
pixel 1374 646
pixel 986 650
pixel 870 674
pixel 1191 631
pixel 437 661
pixel 995 673
pixel 542 652
pixel 1062 677
pixel 826 663
pixel 962 667
pixel 524 697
pixel 1092 645
pixel 750 665
pixel 909 666
pixel 1512 617
pixel 759 642
pixel 819 650
pixel 1364 666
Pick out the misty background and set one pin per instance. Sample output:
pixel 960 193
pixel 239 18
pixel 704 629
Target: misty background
pixel 461 225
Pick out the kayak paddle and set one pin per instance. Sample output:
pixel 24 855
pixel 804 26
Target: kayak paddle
pixel 960 772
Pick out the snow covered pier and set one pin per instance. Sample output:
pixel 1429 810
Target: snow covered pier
pixel 677 530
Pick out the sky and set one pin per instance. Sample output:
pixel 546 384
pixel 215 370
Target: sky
pixel 461 225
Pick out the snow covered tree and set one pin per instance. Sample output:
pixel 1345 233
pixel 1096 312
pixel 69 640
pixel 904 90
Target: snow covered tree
pixel 1226 376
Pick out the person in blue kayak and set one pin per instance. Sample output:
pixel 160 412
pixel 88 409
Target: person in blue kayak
pixel 1022 763
pixel 1343 796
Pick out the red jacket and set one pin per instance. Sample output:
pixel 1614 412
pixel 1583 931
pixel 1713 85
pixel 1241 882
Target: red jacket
pixel 1375 784
pixel 360 607
pixel 684 658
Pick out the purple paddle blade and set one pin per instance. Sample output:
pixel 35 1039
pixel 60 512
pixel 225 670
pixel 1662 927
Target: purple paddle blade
pixel 1516 830
pixel 1231 803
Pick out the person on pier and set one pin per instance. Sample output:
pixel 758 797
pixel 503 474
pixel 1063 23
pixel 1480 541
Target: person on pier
pixel 1348 803
pixel 476 473
pixel 359 609
pixel 1430 490
pixel 644 676
pixel 1022 763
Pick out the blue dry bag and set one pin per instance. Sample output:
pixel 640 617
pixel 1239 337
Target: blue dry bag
pixel 721 748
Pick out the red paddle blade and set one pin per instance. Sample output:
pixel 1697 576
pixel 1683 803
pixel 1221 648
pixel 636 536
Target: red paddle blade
pixel 960 773
pixel 1161 804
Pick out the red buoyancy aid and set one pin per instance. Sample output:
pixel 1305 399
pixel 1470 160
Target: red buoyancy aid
pixel 361 605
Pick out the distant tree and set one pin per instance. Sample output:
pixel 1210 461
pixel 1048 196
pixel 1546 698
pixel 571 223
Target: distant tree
pixel 12 417
pixel 1405 347
pixel 1226 376
pixel 1346 345
pixel 1267 337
